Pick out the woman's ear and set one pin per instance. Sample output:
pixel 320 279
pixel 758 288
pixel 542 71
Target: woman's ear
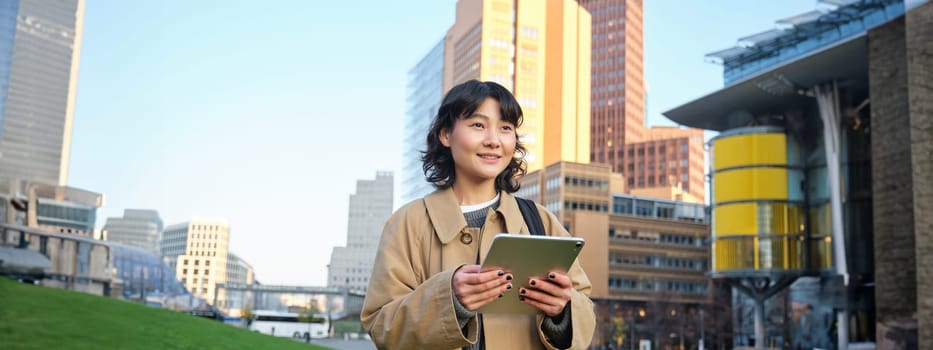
pixel 444 137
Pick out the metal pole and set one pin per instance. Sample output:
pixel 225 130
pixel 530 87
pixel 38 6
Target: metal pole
pixel 702 335
pixel 759 324
pixel 633 330
pixel 827 99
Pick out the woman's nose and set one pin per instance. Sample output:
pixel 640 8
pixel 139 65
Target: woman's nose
pixel 491 140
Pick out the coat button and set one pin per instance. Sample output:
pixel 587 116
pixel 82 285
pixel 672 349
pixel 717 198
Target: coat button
pixel 466 238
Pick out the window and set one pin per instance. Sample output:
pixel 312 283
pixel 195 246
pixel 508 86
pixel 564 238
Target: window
pixel 195 271
pixel 207 272
pixel 196 262
pixel 207 263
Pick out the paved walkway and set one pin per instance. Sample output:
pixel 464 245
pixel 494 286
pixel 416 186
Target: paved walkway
pixel 339 344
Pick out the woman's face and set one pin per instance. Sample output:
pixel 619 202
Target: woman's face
pixel 482 144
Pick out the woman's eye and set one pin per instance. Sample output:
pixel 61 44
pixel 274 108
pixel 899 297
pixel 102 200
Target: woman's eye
pixel 507 128
pixel 477 125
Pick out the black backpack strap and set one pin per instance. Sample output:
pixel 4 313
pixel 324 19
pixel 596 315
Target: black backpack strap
pixel 531 216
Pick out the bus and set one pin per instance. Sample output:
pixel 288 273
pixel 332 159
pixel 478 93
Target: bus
pixel 288 325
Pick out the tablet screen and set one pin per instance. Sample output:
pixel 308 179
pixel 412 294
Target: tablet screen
pixel 526 256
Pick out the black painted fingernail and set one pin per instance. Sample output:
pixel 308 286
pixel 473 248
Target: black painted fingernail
pixel 521 298
pixel 552 275
pixel 508 286
pixel 500 295
pixel 522 290
pixel 508 278
pixel 532 282
pixel 501 273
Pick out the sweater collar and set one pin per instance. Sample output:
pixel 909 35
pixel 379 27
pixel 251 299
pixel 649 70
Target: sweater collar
pixel 448 221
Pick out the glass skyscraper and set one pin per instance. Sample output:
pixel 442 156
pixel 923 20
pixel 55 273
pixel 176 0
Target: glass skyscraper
pixel 425 91
pixel 40 46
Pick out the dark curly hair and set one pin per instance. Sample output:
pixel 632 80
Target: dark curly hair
pixel 460 102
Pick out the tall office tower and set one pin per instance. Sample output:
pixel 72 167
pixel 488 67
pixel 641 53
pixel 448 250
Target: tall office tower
pixel 370 207
pixel 425 91
pixel 618 86
pixel 540 50
pixel 140 228
pixel 40 46
pixel 203 263
pixel 654 161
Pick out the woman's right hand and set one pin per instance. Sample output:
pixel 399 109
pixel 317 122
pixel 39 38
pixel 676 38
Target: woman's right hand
pixel 475 288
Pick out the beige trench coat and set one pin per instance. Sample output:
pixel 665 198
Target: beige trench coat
pixel 409 303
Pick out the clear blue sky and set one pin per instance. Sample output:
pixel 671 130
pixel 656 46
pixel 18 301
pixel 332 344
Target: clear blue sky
pixel 267 113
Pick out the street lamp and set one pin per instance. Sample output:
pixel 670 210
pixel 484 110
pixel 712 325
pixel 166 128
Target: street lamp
pixel 641 314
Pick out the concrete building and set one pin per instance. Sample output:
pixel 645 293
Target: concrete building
pixel 425 91
pixel 139 228
pixel 540 50
pixel 646 258
pixel 52 208
pixel 350 266
pixel 203 263
pixel 40 48
pixel 825 139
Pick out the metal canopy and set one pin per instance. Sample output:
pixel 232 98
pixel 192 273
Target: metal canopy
pixel 776 89
pixel 761 38
pixel 721 55
pixel 801 19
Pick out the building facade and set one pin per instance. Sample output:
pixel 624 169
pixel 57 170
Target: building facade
pixel 203 263
pixel 646 258
pixel 40 47
pixel 350 266
pixel 540 50
pixel 618 86
pixel 139 228
pixel 650 158
pixel 52 208
pixel 174 242
pixel 239 271
pixel 841 94
pixel 670 157
pixel 425 91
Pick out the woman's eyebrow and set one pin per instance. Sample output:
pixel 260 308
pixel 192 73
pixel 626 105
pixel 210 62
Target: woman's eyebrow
pixel 479 115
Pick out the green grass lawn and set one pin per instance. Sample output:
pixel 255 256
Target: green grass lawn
pixel 34 317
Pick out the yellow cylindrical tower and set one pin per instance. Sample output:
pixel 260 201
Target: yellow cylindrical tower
pixel 759 220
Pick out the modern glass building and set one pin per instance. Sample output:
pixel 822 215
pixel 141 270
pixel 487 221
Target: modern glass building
pixel 40 47
pixel 818 179
pixel 144 277
pixel 425 91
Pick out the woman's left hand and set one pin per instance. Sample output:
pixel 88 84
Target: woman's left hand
pixel 549 295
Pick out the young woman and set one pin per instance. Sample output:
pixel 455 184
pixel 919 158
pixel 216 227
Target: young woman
pixel 427 286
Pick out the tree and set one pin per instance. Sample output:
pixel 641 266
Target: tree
pixel 619 330
pixel 308 315
pixel 247 314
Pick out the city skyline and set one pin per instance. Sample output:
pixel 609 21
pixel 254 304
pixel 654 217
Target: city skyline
pixel 257 118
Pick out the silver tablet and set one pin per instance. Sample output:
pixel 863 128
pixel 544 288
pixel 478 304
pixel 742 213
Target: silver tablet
pixel 525 256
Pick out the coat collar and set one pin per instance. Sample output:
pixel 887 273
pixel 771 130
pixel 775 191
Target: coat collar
pixel 448 221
